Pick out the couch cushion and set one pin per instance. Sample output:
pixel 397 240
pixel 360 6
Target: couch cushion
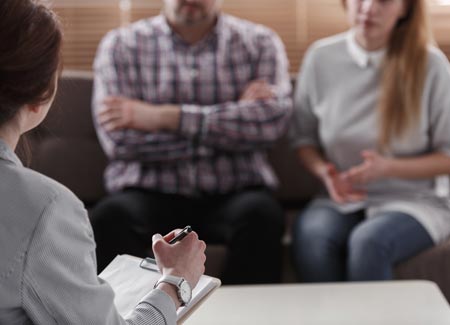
pixel 65 146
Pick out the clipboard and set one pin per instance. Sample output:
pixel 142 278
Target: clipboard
pixel 132 278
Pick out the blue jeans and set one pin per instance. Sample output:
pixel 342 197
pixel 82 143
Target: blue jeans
pixel 331 246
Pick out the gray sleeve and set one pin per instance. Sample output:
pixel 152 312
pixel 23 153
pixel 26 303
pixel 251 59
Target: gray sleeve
pixel 439 101
pixel 60 283
pixel 304 125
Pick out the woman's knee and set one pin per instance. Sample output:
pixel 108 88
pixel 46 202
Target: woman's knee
pixel 368 250
pixel 317 224
pixel 366 237
pixel 318 233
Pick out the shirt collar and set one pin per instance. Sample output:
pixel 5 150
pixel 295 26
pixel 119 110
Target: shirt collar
pixel 7 154
pixel 362 57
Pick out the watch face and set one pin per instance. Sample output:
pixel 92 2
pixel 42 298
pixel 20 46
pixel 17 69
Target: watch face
pixel 185 292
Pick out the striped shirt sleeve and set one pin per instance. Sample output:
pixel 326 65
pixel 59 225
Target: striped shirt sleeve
pixel 117 74
pixel 246 125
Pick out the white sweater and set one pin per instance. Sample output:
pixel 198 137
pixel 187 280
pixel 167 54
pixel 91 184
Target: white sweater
pixel 335 110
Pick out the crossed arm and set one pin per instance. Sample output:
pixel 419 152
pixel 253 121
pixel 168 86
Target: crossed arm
pixel 119 112
pixel 131 129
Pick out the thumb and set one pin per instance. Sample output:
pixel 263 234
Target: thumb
pixel 158 244
pixel 331 169
pixel 156 237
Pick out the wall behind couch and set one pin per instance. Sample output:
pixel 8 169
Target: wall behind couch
pixel 298 22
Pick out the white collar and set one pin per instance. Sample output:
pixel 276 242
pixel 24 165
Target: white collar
pixel 362 57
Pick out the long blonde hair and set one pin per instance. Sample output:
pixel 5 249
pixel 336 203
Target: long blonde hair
pixel 403 75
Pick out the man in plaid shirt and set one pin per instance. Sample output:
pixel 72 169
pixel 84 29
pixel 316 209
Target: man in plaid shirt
pixel 185 105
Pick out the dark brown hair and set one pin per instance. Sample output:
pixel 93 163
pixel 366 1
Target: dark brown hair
pixel 30 52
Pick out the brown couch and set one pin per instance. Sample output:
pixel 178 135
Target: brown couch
pixel 66 148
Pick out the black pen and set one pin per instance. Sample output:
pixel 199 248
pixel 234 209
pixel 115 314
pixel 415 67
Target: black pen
pixel 183 233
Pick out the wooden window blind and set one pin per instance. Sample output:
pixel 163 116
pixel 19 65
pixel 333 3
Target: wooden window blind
pixel 298 22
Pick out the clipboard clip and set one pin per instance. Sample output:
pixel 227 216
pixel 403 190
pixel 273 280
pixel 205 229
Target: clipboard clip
pixel 149 263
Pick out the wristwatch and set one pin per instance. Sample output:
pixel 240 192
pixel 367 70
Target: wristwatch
pixel 184 290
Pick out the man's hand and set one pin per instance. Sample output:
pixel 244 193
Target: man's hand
pixel 124 113
pixel 258 90
pixel 374 167
pixel 339 189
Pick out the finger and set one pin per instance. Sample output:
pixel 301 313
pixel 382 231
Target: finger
pixel 202 246
pixel 156 237
pixel 251 91
pixel 248 95
pixel 262 88
pixel 355 180
pixel 356 196
pixel 252 87
pixel 104 111
pixel 113 125
pixel 337 198
pixel 359 178
pixel 110 110
pixel 112 106
pixel 355 174
pixel 263 93
pixel 335 195
pixel 191 237
pixel 172 234
pixel 157 243
pixel 106 118
pixel 331 170
pixel 112 99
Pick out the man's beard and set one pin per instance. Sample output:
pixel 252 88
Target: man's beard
pixel 191 19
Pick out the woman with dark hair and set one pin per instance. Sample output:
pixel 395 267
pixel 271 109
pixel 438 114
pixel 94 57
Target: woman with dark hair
pixel 372 122
pixel 47 251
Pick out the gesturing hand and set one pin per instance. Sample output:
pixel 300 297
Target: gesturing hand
pixel 373 168
pixel 339 189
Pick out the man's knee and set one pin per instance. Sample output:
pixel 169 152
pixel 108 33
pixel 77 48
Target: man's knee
pixel 259 206
pixel 116 211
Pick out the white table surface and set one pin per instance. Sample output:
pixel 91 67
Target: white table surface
pixel 364 303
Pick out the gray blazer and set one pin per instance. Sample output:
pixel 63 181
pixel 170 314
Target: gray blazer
pixel 47 257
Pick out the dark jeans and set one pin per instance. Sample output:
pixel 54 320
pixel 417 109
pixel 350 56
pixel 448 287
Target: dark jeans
pixel 249 222
pixel 331 246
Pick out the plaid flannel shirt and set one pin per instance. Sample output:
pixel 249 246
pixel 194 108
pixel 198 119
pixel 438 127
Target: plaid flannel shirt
pixel 221 141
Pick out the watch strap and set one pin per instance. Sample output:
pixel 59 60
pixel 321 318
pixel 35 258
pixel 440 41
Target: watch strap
pixel 171 279
pixel 175 281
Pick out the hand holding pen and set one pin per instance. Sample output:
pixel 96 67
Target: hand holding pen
pixel 185 259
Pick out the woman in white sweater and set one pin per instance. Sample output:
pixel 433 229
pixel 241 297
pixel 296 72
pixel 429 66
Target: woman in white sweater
pixel 372 122
pixel 47 250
